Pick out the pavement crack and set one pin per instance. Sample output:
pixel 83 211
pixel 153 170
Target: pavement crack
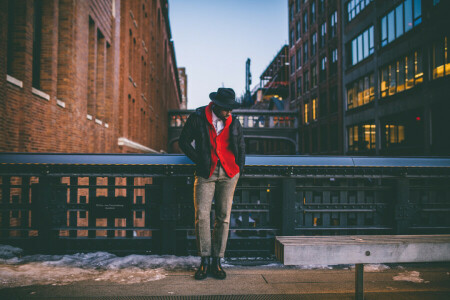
pixel 264 278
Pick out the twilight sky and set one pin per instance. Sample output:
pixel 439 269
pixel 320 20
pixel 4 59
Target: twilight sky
pixel 214 38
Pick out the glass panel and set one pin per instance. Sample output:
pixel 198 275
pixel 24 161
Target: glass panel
pixel 408 15
pixel 417 12
pixel 401 75
pixel 314 102
pixel 401 133
pixel 384 81
pixel 306 113
pixel 391 27
pixel 409 70
pixel 349 97
pixel 360 48
pixel 366 89
pixel 392 77
pixel 350 137
pixel 366 43
pixel 360 91
pixel 419 67
pixel 438 59
pixel 354 53
pixel 399 20
pixel 447 62
pixel 383 31
pixel 371 48
pixel 372 88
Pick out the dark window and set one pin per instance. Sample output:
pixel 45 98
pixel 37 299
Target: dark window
pixel 291 12
pixel 305 52
pixel 321 6
pixel 323 32
pixel 333 100
pixel 292 91
pixel 299 32
pixel 314 139
pixel 16 43
pixel 313 43
pixel 306 81
pixel 323 69
pixel 323 104
pixel 299 58
pixel 292 64
pixel 37 37
pixel 313 12
pixel 305 22
pixel 323 138
pixel 299 86
pixel 334 137
pixel 334 59
pixel 313 76
pixel 291 37
pixel 333 24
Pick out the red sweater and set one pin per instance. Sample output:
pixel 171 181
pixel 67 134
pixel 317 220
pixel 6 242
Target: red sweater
pixel 220 146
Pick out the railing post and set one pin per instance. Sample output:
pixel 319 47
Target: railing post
pixel 288 207
pixel 50 213
pixel 403 207
pixel 168 215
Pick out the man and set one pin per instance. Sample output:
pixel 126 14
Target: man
pixel 212 138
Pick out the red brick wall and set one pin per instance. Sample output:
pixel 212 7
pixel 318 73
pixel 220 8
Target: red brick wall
pixel 102 88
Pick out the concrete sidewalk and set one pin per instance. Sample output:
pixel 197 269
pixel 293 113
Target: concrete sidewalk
pixel 425 281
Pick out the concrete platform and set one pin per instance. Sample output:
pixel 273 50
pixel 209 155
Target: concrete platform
pixel 427 281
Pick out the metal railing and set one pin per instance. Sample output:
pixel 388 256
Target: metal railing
pixel 249 118
pixel 141 203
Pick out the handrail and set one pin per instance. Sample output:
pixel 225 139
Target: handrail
pixel 16 158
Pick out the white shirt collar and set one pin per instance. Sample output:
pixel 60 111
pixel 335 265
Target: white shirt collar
pixel 217 122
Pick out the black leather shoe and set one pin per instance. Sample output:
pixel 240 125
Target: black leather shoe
pixel 202 271
pixel 216 269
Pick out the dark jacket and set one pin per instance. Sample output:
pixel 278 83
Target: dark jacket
pixel 196 129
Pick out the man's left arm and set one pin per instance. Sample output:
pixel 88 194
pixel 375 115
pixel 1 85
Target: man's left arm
pixel 241 146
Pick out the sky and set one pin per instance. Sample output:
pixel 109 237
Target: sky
pixel 214 38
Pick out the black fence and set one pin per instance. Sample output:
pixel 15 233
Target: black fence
pixel 139 203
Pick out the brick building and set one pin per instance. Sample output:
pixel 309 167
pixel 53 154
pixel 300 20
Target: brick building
pixel 86 76
pixel 183 87
pixel 396 77
pixel 315 74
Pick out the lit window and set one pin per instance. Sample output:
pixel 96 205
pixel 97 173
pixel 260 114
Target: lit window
pixel 306 113
pixel 441 64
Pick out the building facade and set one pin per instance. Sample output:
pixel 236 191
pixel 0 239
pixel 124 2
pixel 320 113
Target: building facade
pixel 183 87
pixel 86 76
pixel 315 74
pixel 395 71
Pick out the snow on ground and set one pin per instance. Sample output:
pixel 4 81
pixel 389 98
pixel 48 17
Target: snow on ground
pixel 17 269
pixel 412 276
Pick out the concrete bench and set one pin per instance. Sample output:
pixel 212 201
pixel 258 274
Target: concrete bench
pixel 360 250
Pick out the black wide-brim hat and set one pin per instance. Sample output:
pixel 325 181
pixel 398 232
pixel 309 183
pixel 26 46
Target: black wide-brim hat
pixel 225 97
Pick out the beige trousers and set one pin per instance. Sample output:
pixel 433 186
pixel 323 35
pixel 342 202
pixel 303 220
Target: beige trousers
pixel 220 187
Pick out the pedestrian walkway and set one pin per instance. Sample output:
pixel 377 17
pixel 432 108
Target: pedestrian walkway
pixel 424 281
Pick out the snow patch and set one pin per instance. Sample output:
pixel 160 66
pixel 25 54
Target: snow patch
pixel 17 270
pixel 412 276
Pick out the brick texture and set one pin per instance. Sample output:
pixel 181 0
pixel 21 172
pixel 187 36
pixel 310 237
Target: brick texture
pixel 110 59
